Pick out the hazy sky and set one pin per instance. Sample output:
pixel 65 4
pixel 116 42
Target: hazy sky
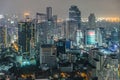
pixel 101 8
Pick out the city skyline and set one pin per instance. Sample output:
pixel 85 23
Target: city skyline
pixel 101 8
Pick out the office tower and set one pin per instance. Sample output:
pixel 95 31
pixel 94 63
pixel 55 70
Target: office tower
pixel 99 37
pixel 49 13
pixel 41 17
pixel 3 36
pixel 79 38
pixel 44 28
pixel 75 14
pixel 90 37
pixel 70 27
pixel 54 19
pixel 91 21
pixel 48 54
pixel 40 26
pixel 26 35
pixel 114 35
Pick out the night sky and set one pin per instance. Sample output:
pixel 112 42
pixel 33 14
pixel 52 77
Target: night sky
pixel 101 8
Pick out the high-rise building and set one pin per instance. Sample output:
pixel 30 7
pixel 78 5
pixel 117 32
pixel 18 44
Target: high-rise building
pixel 91 21
pixel 40 26
pixel 49 13
pixel 75 14
pixel 26 35
pixel 54 19
pixel 48 55
pixel 114 35
pixel 99 37
pixel 90 37
pixel 79 38
pixel 69 29
pixel 43 30
pixel 46 26
pixel 3 36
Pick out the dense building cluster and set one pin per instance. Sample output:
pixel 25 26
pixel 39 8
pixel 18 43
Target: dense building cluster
pixel 48 47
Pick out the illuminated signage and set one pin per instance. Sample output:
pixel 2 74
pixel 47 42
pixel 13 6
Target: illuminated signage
pixel 90 37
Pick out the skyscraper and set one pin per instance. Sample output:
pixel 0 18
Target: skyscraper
pixel 70 27
pixel 90 36
pixel 91 20
pixel 3 36
pixel 75 14
pixel 25 35
pixel 49 13
pixel 54 18
pixel 40 26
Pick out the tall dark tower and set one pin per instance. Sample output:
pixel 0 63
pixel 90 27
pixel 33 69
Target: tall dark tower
pixel 91 20
pixel 49 13
pixel 26 35
pixel 75 14
pixel 60 47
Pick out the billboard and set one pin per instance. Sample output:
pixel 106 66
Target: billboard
pixel 90 37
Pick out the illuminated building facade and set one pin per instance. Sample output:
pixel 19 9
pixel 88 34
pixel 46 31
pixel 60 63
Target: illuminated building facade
pixel 90 38
pixel 3 36
pixel 54 19
pixel 114 35
pixel 41 19
pixel 75 14
pixel 26 35
pixel 46 26
pixel 70 27
pixel 42 30
pixel 48 55
pixel 99 36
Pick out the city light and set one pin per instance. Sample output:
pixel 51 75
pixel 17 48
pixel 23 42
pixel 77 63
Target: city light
pixel 1 16
pixel 26 14
pixel 74 46
pixel 109 19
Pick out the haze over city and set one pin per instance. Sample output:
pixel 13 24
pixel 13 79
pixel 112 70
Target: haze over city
pixel 59 39
pixel 101 8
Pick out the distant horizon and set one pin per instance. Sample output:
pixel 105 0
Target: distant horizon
pixel 101 8
pixel 33 16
